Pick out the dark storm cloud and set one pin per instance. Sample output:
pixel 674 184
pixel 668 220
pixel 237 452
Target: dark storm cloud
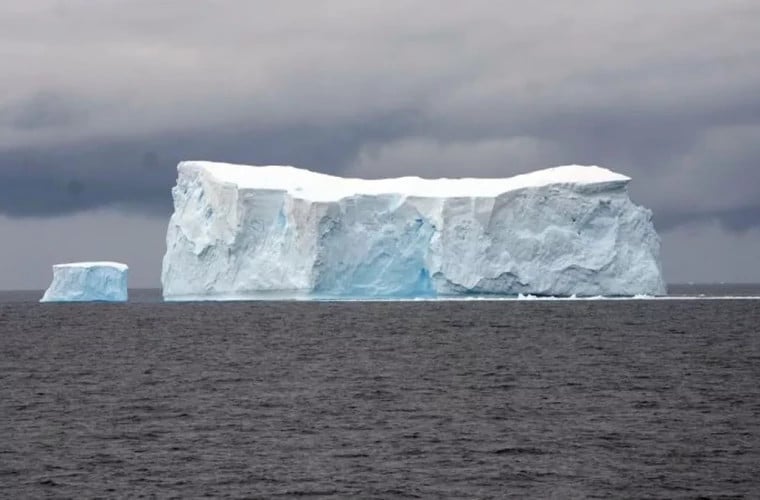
pixel 103 99
pixel 138 173
pixel 43 110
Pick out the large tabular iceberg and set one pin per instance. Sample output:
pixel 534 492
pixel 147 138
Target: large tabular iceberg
pixel 255 232
pixel 88 282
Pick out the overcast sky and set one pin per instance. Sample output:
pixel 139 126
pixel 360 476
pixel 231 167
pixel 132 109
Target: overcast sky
pixel 101 99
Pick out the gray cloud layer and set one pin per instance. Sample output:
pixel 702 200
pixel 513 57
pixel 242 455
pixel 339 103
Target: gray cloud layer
pixel 101 99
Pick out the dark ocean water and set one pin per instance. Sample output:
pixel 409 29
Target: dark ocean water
pixel 536 399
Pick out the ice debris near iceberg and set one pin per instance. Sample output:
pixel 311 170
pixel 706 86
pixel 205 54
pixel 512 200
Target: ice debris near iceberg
pixel 88 282
pixel 241 232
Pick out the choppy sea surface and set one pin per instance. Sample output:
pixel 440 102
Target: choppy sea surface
pixel 472 399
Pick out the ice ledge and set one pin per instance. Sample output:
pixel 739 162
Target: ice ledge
pixel 116 265
pixel 313 186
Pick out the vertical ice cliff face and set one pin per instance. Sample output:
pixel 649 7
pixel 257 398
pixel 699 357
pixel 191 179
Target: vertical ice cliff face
pixel 88 282
pixel 256 232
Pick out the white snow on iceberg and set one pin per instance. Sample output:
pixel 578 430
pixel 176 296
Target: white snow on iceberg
pixel 256 232
pixel 88 282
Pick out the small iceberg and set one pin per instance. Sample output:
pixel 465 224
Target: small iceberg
pixel 88 282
